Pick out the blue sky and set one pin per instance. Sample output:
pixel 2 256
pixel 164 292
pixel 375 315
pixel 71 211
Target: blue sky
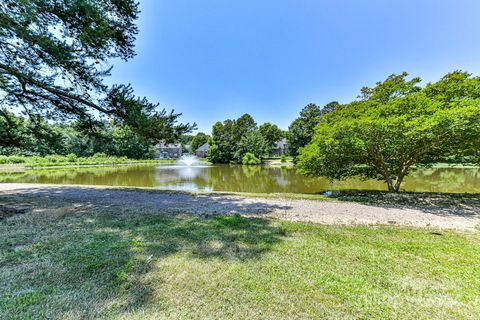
pixel 218 59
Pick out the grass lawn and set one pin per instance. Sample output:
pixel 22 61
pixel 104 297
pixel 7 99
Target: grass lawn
pixel 95 262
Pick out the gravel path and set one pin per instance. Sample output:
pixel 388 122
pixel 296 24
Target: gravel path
pixel 459 217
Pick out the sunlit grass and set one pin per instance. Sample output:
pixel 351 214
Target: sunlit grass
pixel 81 261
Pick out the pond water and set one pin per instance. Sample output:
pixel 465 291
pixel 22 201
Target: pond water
pixel 237 178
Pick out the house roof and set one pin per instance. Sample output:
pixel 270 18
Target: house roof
pixel 203 147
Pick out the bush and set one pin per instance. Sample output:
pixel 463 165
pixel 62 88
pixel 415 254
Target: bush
pixel 12 159
pixel 250 159
pixel 71 157
pixel 3 159
pixel 283 158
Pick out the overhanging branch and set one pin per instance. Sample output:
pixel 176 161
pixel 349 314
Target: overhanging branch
pixel 53 90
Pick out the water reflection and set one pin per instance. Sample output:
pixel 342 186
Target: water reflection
pixel 243 179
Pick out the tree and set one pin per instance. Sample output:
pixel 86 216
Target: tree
pixel 198 140
pixel 55 54
pixel 13 130
pixel 125 143
pixel 271 133
pixel 226 137
pixel 222 144
pixel 243 125
pixel 396 127
pixel 300 132
pixel 28 136
pixel 254 143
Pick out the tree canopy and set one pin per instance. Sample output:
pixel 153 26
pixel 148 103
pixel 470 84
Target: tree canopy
pixel 300 132
pixel 271 133
pixel 232 139
pixel 54 56
pixel 254 143
pixel 395 127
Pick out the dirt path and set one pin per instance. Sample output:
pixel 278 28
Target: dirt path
pixel 463 216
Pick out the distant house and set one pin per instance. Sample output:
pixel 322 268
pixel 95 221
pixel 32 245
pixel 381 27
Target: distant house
pixel 281 147
pixel 201 152
pixel 169 150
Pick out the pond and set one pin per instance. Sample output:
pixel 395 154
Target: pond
pixel 237 178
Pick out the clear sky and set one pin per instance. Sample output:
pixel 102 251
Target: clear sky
pixel 218 59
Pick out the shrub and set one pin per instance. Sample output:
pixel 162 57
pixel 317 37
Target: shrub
pixel 12 159
pixel 71 157
pixel 283 158
pixel 99 155
pixel 250 159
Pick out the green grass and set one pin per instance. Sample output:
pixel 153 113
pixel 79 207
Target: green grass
pixel 71 160
pixel 71 261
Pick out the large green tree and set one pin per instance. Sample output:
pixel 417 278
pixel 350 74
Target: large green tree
pixel 300 132
pixel 226 137
pixel 223 142
pixel 53 58
pixel 271 133
pixel 395 127
pixel 254 143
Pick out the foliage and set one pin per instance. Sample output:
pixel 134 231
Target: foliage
pixel 394 126
pixel 271 133
pixel 55 55
pixel 226 137
pixel 70 159
pixel 198 140
pixel 243 125
pixel 301 131
pixel 283 158
pixel 232 139
pixel 254 143
pixel 223 143
pixel 27 136
pixel 125 143
pixel 44 139
pixel 250 159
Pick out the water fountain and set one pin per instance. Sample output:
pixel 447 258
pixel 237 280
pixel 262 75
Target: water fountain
pixel 188 160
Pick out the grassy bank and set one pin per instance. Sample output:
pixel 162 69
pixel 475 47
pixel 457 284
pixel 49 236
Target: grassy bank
pixel 70 160
pixel 69 261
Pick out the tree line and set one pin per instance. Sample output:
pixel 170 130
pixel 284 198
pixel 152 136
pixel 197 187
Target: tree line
pixel 21 136
pixel 390 130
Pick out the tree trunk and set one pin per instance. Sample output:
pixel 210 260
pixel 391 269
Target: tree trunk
pixel 391 187
pixel 402 172
pixel 400 177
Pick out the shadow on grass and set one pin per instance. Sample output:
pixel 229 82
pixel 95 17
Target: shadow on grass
pixel 167 201
pixel 96 260
pixel 442 204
